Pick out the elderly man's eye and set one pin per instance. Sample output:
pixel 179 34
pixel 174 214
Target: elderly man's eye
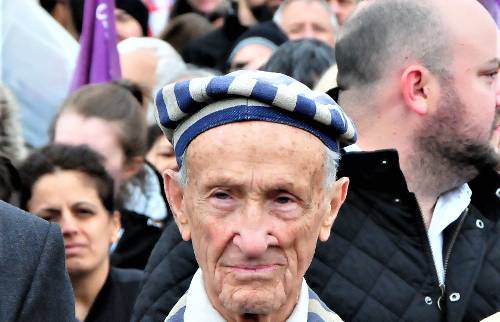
pixel 286 205
pixel 222 195
pixel 222 200
pixel 284 200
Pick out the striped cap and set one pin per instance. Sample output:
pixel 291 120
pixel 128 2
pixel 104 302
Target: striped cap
pixel 188 108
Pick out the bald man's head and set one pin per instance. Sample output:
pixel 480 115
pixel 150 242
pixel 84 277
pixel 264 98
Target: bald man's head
pixel 383 34
pixel 427 69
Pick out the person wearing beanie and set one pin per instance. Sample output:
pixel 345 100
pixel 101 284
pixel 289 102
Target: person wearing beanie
pixel 131 19
pixel 255 189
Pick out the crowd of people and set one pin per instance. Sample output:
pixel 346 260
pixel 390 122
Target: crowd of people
pixel 295 160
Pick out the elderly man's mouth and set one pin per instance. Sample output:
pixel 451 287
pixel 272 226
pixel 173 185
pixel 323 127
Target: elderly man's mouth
pixel 255 271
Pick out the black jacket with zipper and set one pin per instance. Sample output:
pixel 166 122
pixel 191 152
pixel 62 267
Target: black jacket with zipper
pixel 377 264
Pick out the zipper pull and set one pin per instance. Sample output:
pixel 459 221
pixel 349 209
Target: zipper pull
pixel 440 300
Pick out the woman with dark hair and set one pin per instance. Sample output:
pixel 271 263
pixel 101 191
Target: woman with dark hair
pixel 107 118
pixel 69 186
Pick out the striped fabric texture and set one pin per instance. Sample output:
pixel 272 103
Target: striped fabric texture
pixel 318 311
pixel 188 108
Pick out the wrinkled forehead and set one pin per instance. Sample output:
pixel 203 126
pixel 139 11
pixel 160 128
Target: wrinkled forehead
pixel 257 142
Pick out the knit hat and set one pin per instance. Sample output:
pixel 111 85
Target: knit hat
pixel 189 108
pixel 136 9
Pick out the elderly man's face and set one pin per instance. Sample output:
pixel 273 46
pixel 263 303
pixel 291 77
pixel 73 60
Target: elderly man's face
pixel 254 206
pixel 303 20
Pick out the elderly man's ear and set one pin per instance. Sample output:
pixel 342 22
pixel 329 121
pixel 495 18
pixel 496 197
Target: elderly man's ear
pixel 337 195
pixel 175 195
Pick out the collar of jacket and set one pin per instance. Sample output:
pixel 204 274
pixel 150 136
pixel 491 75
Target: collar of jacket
pixel 374 170
pixel 486 193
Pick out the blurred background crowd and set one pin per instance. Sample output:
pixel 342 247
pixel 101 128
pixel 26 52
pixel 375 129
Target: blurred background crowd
pixel 47 112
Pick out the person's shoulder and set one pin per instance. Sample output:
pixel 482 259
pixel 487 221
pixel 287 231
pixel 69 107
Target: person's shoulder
pixel 123 286
pixel 18 223
pixel 319 311
pixel 126 275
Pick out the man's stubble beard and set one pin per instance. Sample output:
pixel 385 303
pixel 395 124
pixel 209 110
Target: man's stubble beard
pixel 446 149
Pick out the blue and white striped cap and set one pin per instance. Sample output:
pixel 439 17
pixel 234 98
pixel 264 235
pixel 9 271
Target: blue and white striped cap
pixel 189 108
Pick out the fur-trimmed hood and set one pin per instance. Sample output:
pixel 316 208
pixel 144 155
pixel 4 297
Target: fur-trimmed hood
pixel 11 139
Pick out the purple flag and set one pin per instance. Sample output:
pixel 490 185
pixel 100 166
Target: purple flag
pixel 493 6
pixel 98 60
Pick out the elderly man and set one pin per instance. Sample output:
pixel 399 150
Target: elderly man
pixel 256 189
pixel 301 19
pixel 420 80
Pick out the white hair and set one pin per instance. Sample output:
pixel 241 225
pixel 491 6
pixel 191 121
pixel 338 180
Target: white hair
pixel 168 68
pixel 170 63
pixel 278 15
pixel 330 167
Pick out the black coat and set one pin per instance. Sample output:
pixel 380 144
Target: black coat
pixel 138 239
pixel 377 264
pixel 34 284
pixel 117 296
pixel 140 235
pixel 167 276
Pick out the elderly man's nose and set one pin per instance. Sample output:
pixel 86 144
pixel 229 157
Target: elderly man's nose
pixel 253 237
pixel 254 243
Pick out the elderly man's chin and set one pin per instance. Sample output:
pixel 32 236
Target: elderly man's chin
pixel 261 300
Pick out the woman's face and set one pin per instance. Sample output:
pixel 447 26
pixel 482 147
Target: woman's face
pixel 161 155
pixel 205 6
pixel 101 136
pixel 70 199
pixel 126 25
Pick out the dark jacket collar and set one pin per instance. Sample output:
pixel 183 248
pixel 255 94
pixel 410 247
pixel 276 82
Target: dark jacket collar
pixel 373 170
pixel 486 193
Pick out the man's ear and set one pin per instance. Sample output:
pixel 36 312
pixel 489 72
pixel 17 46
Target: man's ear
pixel 175 195
pixel 416 83
pixel 338 194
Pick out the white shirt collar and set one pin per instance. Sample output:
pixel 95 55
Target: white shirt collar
pixel 199 308
pixel 449 206
pixel 352 148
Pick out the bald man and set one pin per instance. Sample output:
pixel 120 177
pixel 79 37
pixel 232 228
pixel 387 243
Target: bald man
pixel 420 80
